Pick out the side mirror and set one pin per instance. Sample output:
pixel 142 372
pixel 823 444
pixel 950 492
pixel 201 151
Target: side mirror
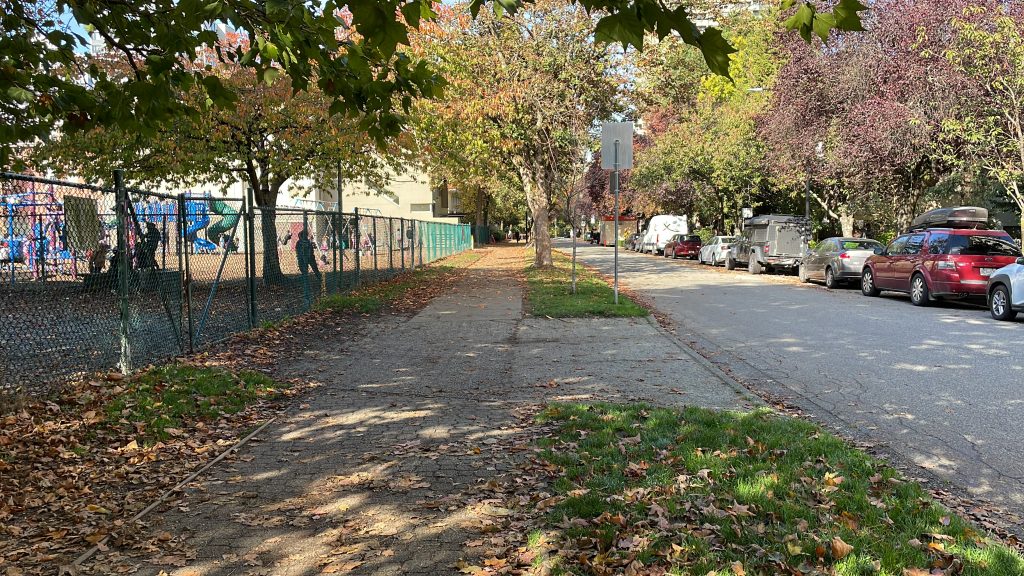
pixel 1020 261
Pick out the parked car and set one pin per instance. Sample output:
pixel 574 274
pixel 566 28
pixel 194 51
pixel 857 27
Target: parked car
pixel 633 242
pixel 770 242
pixel 1006 291
pixel 685 245
pixel 939 262
pixel 594 236
pixel 660 230
pixel 838 260
pixel 715 250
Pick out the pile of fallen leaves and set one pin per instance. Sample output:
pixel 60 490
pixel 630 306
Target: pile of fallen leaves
pixel 635 490
pixel 72 473
pixel 71 477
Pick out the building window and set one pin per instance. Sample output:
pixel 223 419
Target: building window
pixel 420 207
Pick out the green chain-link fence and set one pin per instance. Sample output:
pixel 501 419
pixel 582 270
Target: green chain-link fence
pixel 95 278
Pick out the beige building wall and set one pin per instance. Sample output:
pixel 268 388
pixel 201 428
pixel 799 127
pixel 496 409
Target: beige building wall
pixel 406 195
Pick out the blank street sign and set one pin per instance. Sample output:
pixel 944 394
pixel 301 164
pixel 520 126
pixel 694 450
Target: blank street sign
pixel 610 132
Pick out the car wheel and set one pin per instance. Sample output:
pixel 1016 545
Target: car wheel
pixel 714 260
pixel 919 291
pixel 753 266
pixel 999 304
pixel 730 264
pixel 867 283
pixel 830 279
pixel 803 274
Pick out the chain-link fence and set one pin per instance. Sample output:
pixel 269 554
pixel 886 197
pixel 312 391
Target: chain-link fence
pixel 95 278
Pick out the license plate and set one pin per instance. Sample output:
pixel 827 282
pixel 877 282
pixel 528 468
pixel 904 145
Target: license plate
pixel 986 271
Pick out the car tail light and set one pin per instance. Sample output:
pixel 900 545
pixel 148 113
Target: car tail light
pixel 767 247
pixel 945 265
pixel 844 255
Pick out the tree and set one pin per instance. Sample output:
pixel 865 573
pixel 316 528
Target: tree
pixel 271 136
pixel 546 85
pixel 348 50
pixel 876 101
pixel 704 155
pixel 989 49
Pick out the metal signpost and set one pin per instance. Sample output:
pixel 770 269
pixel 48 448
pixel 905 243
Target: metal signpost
pixel 616 154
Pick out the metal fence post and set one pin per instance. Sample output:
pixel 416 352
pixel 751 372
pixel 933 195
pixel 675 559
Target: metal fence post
pixel 373 242
pixel 401 243
pixel 186 254
pixel 359 245
pixel 391 244
pixel 307 293
pixel 334 252
pixel 123 268
pixel 250 254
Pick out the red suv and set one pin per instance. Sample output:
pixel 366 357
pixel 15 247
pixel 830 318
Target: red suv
pixel 950 262
pixel 687 245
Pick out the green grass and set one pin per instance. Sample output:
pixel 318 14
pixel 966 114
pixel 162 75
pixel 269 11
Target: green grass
pixel 373 299
pixel 700 490
pixel 167 397
pixel 549 293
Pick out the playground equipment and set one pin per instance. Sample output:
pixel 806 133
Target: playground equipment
pixel 35 235
pixel 197 217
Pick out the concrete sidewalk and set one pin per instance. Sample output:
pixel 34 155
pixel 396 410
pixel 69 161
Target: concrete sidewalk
pixel 385 468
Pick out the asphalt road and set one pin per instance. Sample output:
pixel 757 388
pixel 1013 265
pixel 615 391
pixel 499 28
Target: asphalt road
pixel 940 387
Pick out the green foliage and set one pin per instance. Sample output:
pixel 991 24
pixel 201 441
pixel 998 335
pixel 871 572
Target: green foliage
pixel 989 49
pixel 707 157
pixel 163 399
pixel 549 293
pixel 165 51
pixel 725 484
pixel 706 234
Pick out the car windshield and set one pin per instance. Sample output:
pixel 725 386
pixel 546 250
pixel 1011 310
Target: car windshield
pixel 861 245
pixel 981 246
pixel 727 239
pixel 693 238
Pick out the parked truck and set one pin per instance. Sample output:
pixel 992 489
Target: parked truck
pixel 770 242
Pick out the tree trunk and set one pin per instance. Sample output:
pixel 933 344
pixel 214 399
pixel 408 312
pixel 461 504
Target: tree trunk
pixel 266 200
pixel 537 199
pixel 481 206
pixel 272 273
pixel 846 221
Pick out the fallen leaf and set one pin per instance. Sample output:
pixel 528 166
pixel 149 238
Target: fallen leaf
pixel 840 549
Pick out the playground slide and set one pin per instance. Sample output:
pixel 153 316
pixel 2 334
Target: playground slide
pixel 230 218
pixel 197 223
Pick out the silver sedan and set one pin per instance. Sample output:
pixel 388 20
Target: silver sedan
pixel 838 260
pixel 714 251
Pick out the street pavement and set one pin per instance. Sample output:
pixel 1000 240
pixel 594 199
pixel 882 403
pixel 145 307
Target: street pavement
pixel 939 387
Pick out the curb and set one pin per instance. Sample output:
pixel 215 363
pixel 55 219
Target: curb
pixel 708 365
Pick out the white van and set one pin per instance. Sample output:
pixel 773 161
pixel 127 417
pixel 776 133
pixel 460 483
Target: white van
pixel 660 230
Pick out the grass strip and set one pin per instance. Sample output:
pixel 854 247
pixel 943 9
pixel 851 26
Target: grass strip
pixel 158 403
pixel 549 293
pixel 647 490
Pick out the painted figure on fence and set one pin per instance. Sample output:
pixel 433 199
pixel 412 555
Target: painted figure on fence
pixel 304 254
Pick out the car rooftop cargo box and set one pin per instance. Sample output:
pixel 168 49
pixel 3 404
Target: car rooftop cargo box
pixel 959 217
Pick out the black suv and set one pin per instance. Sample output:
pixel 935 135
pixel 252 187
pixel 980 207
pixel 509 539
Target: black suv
pixel 772 241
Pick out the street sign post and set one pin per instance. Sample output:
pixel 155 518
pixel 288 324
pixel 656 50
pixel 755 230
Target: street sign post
pixel 616 154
